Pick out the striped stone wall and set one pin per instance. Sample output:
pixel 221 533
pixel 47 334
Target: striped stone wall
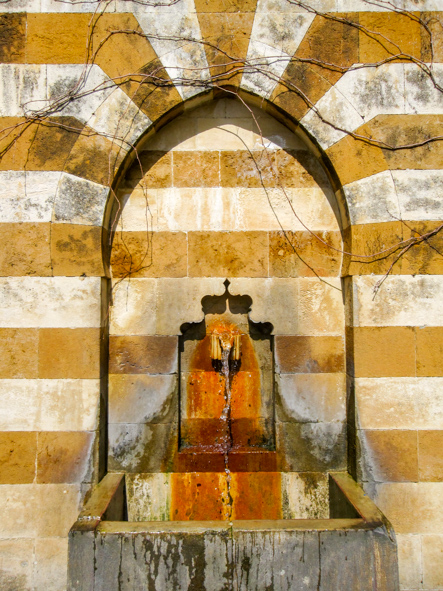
pixel 334 71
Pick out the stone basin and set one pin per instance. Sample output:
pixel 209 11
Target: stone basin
pixel 354 549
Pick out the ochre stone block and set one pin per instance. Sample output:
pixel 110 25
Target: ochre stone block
pixel 152 90
pixel 228 254
pixel 225 5
pixel 227 39
pixel 384 351
pixel 300 254
pixel 435 26
pixel 18 353
pixel 430 456
pixel 149 254
pixel 57 38
pixel 425 257
pixel 37 146
pixel 256 495
pixel 429 341
pixel 64 456
pixel 76 250
pixel 196 169
pixel 374 248
pixel 94 157
pixel 389 456
pixel 25 249
pixel 385 34
pixel 13 38
pixel 143 354
pixel 155 168
pixel 17 457
pixel 304 354
pixel 69 353
pixel 119 45
pixel 354 159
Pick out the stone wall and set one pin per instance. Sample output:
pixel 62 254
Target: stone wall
pixel 59 178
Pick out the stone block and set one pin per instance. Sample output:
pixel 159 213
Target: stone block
pixel 307 354
pixel 142 398
pixel 409 560
pixel 389 456
pixel 312 398
pixel 225 5
pixel 56 38
pixel 320 305
pixel 25 249
pixel 203 209
pixel 65 457
pixel 274 300
pixel 399 403
pixel 12 46
pixel 305 495
pixel 76 250
pixel 143 355
pixel 49 405
pixel 430 458
pixel 242 168
pixel 16 559
pixel 17 457
pixel 374 248
pixel 153 170
pixel 311 447
pixel 142 447
pixel 420 298
pixel 149 254
pixel 107 561
pixel 50 570
pixel 298 254
pixel 28 302
pixel 423 258
pixel 232 134
pixel 81 563
pixel 133 310
pixel 230 254
pixel 417 192
pixel 186 295
pixel 19 512
pixel 384 351
pixel 386 34
pixel 69 353
pixel 411 507
pixel 196 169
pixel 27 196
pixel 372 199
pixel 148 497
pixel 432 561
pixel 18 353
pixel 138 210
pixel 80 201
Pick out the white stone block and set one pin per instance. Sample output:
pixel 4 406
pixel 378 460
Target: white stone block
pixel 419 194
pixel 288 7
pixel 179 301
pixel 421 96
pixel 282 31
pixel 409 560
pixel 49 405
pixel 50 573
pixel 332 118
pixel 22 89
pixel 402 300
pixel 134 306
pixel 265 65
pixel 314 398
pixel 399 403
pixel 27 196
pixel 374 91
pixel 90 86
pixel 17 563
pixel 119 119
pixel 300 504
pixel 148 497
pixel 320 306
pixel 138 210
pixel 80 201
pixel 373 199
pixel 50 302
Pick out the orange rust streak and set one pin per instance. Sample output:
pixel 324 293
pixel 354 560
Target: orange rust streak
pixel 198 496
pixel 256 495
pixel 245 395
pixel 205 396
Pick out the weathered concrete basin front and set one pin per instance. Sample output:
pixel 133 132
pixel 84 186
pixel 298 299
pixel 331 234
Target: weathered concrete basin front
pixel 354 550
